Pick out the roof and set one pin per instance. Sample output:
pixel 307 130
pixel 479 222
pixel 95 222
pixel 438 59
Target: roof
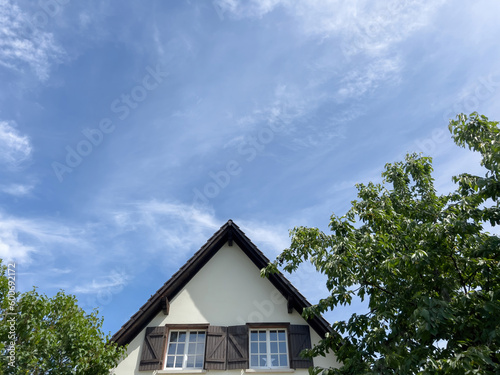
pixel 228 233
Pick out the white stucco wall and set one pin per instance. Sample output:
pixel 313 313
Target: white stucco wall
pixel 227 291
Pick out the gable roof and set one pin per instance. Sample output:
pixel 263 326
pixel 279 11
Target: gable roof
pixel 228 233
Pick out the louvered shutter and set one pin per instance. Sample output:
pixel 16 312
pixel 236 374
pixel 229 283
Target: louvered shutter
pixel 237 347
pixel 299 339
pixel 153 349
pixel 215 352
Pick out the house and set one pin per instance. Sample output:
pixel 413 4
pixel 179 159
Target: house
pixel 218 315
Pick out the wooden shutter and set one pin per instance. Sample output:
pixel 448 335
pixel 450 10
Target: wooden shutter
pixel 237 347
pixel 299 338
pixel 153 349
pixel 216 348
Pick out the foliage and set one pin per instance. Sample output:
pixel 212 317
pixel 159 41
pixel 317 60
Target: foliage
pixel 55 336
pixel 423 263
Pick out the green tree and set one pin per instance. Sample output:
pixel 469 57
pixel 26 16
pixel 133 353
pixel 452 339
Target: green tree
pixel 53 336
pixel 428 271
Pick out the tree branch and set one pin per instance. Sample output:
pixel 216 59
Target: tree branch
pixel 464 285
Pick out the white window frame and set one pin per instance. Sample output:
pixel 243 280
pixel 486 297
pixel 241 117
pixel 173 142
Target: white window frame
pixel 184 367
pixel 268 347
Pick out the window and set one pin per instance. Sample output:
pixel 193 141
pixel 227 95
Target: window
pixel 268 348
pixel 186 349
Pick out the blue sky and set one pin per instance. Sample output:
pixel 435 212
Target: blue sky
pixel 131 131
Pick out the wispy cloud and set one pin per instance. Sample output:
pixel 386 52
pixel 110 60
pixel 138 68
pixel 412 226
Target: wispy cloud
pixel 14 147
pixel 180 229
pixel 252 8
pixel 20 238
pixel 17 190
pixel 362 24
pixel 360 82
pixel 272 239
pixel 334 80
pixel 115 280
pixel 23 45
pixel 176 228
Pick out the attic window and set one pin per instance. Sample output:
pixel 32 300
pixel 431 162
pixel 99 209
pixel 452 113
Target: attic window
pixel 268 348
pixel 186 349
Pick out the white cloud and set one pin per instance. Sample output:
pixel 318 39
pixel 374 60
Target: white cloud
pixel 17 190
pixel 358 27
pixel 272 239
pixel 112 283
pixel 20 238
pixel 359 82
pixel 11 248
pixel 14 147
pixel 22 43
pixel 362 24
pixel 248 8
pixel 177 228
pixel 84 19
pixel 189 214
pixel 185 228
pixel 60 271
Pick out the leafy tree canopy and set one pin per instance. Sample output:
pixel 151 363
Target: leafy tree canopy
pixel 429 272
pixel 52 335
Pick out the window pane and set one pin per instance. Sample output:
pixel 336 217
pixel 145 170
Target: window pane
pixel 283 360
pixel 254 360
pixel 201 337
pixel 173 337
pixel 171 349
pixel 274 360
pixel 282 347
pixel 262 335
pixel 182 337
pixel 262 347
pixel 180 348
pixel 253 336
pixel 281 335
pixel 273 335
pixel 192 349
pixel 263 360
pixel 190 361
pixel 170 361
pixel 200 348
pixel 274 347
pixel 178 361
pixel 199 361
pixel 254 348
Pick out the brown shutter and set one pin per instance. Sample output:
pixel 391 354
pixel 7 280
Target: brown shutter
pixel 237 347
pixel 215 350
pixel 153 349
pixel 299 339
